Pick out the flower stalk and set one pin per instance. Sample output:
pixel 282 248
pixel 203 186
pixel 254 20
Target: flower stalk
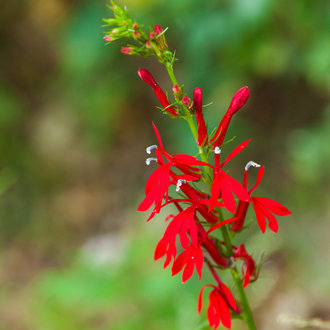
pixel 200 213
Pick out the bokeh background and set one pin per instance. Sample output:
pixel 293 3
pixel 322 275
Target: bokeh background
pixel 75 121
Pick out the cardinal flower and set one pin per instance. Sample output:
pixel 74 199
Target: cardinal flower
pixel 224 185
pixel 263 207
pixel 198 103
pixel 146 76
pixel 248 266
pixel 189 259
pixel 221 301
pixel 239 99
pixel 160 180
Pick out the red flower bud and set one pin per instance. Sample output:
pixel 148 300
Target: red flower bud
pixel 198 103
pixel 146 76
pixel 135 26
pixel 186 101
pixel 176 89
pixel 239 99
pixel 107 38
pixel 126 50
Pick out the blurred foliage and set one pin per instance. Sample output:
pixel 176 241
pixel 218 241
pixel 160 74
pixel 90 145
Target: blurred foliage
pixel 74 123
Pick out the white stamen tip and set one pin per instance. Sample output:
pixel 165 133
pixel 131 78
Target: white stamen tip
pixel 217 150
pixel 148 150
pixel 149 160
pixel 251 163
pixel 179 184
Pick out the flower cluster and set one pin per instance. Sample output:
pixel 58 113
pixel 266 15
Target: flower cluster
pixel 189 241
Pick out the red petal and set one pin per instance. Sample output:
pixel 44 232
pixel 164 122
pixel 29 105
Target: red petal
pixel 259 215
pixel 179 262
pixel 237 188
pixel 229 296
pixel 225 222
pixel 236 151
pixel 224 312
pixel 274 206
pixel 227 196
pixel 215 191
pixel 188 271
pixel 189 160
pixel 158 136
pixel 259 177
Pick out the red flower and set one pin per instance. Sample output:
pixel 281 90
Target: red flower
pixel 224 185
pixel 198 103
pixel 146 76
pixel 239 99
pixel 263 207
pixel 160 180
pixel 221 301
pixel 189 259
pixel 248 267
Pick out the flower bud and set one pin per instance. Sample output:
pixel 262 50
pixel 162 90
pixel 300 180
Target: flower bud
pixel 239 99
pixel 127 50
pixel 186 101
pixel 107 38
pixel 134 26
pixel 152 35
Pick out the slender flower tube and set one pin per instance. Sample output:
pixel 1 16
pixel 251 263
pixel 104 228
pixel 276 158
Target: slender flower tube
pixel 146 76
pixel 198 103
pixel 239 99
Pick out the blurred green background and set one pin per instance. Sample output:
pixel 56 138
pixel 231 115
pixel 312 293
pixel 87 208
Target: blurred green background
pixel 75 121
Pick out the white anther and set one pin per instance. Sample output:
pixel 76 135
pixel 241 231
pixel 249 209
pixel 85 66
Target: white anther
pixel 251 163
pixel 217 150
pixel 179 184
pixel 148 150
pixel 149 160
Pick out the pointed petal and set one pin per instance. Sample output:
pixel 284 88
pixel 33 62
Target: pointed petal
pixel 157 135
pixel 215 191
pixel 259 215
pixel 237 188
pixel 188 271
pixel 259 177
pixel 227 196
pixel 236 151
pixel 225 222
pixel 274 206
pixel 229 296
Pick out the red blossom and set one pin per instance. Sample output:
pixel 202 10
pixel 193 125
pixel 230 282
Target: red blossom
pixel 224 185
pixel 239 99
pixel 146 76
pixel 198 103
pixel 189 259
pixel 161 39
pixel 160 180
pixel 263 207
pixel 221 301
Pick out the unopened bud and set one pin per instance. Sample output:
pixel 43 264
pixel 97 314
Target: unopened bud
pixel 186 101
pixel 148 44
pixel 152 35
pixel 176 88
pixel 107 38
pixel 137 34
pixel 135 26
pixel 127 50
